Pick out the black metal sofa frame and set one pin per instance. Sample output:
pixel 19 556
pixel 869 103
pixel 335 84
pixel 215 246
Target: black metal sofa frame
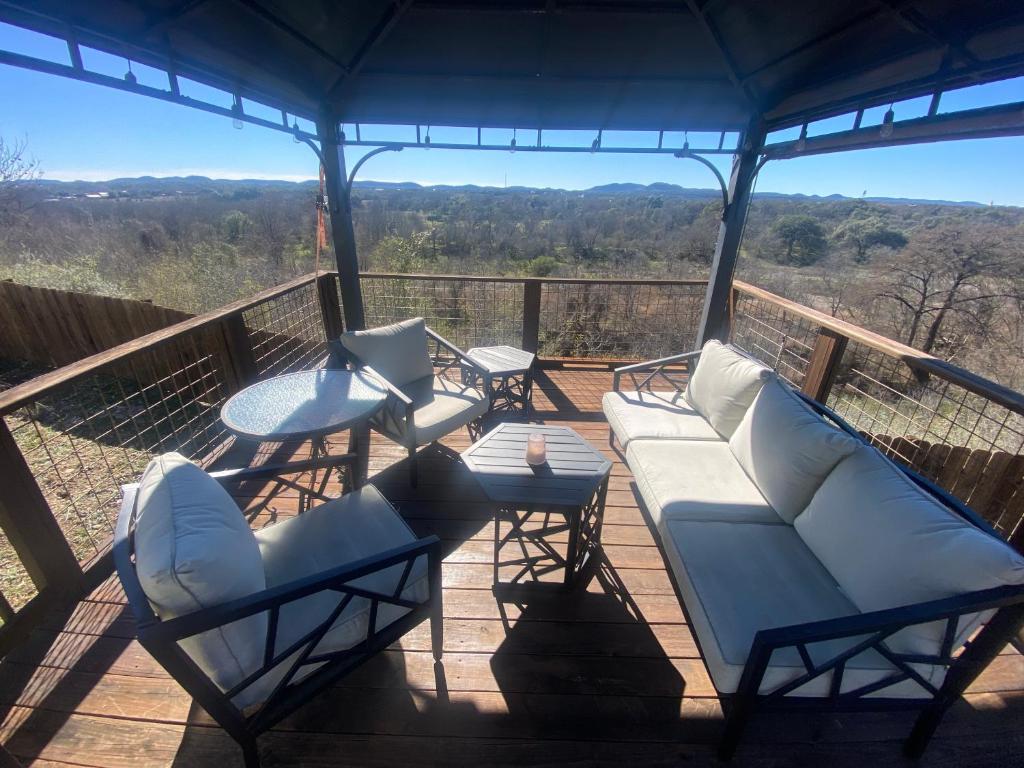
pixel 874 627
pixel 160 638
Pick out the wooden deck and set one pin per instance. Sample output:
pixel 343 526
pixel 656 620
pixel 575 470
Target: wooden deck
pixel 607 676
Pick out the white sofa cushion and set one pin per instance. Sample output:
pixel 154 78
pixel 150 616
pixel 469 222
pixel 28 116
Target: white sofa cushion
pixel 738 578
pixel 787 449
pixel 398 352
pixel 657 415
pixel 442 406
pixel 723 385
pixel 358 525
pixel 889 544
pixel 695 480
pixel 194 550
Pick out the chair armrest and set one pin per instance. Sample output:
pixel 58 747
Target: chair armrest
pixel 393 391
pixel 273 470
pixel 653 366
pixel 333 579
pixel 462 357
pixel 873 628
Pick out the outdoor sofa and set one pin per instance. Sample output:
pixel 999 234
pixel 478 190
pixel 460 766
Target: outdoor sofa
pixel 814 572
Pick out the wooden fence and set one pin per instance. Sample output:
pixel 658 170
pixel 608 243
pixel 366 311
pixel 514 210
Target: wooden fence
pixel 52 328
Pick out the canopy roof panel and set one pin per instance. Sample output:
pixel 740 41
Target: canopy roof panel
pixel 642 65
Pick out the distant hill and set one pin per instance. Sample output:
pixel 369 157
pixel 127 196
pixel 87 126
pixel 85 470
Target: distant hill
pixel 175 186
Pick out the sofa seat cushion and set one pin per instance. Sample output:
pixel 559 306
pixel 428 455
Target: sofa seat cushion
pixel 890 544
pixel 695 480
pixel 654 415
pixel 356 526
pixel 786 448
pixel 723 385
pixel 442 406
pixel 194 550
pixel 398 352
pixel 738 578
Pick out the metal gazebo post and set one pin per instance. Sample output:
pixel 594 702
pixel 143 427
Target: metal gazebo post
pixel 714 319
pixel 342 231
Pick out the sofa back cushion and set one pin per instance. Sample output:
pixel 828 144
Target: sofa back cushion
pixel 398 352
pixel 786 448
pixel 723 385
pixel 193 550
pixel 888 544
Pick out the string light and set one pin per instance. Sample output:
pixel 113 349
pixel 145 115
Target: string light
pixel 129 76
pixel 886 130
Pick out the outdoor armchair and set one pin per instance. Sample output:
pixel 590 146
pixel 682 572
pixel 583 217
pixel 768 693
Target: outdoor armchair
pixel 253 624
pixel 428 396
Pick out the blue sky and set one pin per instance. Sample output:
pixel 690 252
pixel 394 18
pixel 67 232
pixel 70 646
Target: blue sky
pixel 81 131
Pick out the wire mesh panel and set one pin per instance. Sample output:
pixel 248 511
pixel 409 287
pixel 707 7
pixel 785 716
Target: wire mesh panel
pixel 962 440
pixel 622 321
pixel 85 439
pixel 469 313
pixel 287 332
pixel 779 339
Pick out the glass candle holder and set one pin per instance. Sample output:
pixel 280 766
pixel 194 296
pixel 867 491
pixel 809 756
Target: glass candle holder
pixel 536 449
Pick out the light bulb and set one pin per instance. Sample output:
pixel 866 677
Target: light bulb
pixel 801 143
pixel 886 130
pixel 295 127
pixel 236 123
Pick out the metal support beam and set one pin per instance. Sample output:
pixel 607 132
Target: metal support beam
pixel 985 122
pixel 714 319
pixel 342 232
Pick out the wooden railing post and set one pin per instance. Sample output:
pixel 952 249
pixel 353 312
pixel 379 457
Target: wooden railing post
pixel 239 347
pixel 330 306
pixel 821 369
pixel 28 522
pixel 531 314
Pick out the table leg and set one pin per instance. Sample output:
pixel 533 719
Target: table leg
pixel 359 444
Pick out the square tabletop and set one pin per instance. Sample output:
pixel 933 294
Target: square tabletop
pixel 573 472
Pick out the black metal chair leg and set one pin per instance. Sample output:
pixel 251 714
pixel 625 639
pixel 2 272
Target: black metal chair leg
pixel 436 609
pixel 735 723
pixel 414 478
pixel 251 754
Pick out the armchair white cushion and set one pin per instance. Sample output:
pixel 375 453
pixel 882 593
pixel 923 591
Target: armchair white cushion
pixel 344 530
pixel 398 352
pixel 888 544
pixel 723 385
pixel 786 449
pixel 194 549
pixel 441 406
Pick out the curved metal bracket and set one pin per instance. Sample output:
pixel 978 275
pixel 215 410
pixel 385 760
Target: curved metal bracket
pixel 364 158
pixel 309 143
pixel 687 154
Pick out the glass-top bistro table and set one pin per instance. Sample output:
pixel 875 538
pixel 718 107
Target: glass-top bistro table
pixel 309 405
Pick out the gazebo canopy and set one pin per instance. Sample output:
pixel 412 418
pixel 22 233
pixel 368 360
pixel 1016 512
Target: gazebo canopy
pixel 595 64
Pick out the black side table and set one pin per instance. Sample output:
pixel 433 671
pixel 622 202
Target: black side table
pixel 511 372
pixel 565 494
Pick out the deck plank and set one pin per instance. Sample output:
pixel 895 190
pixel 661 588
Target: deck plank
pixel 607 675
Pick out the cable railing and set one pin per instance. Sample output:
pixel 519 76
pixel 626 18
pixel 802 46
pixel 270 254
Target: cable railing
pixel 71 437
pixel 959 430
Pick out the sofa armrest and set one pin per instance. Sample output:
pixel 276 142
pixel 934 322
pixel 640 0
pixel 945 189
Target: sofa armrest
pixel 873 628
pixel 653 368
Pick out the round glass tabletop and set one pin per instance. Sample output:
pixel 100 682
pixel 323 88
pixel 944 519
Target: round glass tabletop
pixel 303 404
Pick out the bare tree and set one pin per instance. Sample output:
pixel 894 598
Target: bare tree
pixel 16 168
pixel 949 274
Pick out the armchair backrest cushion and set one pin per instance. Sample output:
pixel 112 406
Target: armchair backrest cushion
pixel 787 449
pixel 194 550
pixel 398 352
pixel 889 544
pixel 723 385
